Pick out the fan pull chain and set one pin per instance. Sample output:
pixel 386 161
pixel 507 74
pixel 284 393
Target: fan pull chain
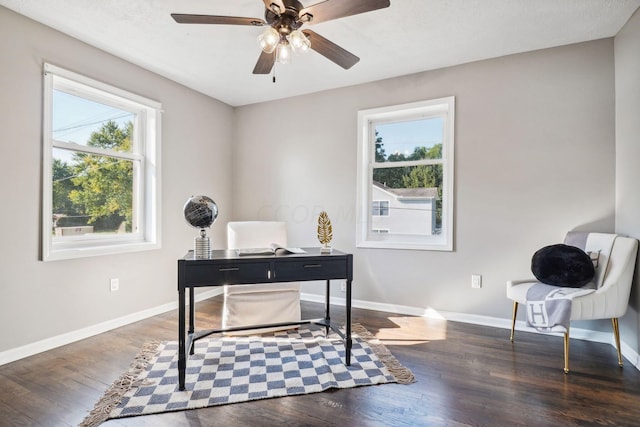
pixel 273 79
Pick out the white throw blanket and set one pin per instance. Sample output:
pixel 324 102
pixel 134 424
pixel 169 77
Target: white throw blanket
pixel 549 307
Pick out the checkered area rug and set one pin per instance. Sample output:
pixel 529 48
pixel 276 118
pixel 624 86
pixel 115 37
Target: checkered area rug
pixel 227 370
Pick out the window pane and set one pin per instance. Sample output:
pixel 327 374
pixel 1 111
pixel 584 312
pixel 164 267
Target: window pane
pixel 85 122
pixel 91 194
pixel 414 200
pixel 384 208
pixel 375 208
pixel 409 140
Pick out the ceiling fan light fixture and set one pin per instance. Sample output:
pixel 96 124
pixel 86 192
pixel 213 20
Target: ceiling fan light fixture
pixel 299 41
pixel 283 52
pixel 269 39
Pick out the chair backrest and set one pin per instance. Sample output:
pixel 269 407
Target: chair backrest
pixel 599 247
pixel 621 266
pixel 255 234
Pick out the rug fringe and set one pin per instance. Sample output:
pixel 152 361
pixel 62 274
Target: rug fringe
pixel 127 381
pixel 400 373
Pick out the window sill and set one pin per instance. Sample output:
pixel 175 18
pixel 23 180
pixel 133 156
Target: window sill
pixel 405 245
pixel 89 251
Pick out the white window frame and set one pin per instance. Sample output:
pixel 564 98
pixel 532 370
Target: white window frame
pixel 441 107
pixel 146 190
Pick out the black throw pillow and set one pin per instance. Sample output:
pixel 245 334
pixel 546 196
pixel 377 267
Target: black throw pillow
pixel 562 265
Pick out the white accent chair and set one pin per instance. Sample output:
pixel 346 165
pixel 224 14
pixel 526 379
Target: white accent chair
pixel 610 300
pixel 261 303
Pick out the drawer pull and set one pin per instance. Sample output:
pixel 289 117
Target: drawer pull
pixel 229 269
pixel 312 265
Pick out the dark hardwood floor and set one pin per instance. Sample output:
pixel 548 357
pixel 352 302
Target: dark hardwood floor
pixel 466 375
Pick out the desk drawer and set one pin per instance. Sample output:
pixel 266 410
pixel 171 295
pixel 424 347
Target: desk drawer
pixel 311 270
pixel 224 274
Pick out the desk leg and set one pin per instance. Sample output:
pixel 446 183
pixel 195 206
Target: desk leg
pixel 327 310
pixel 182 357
pixel 348 342
pixel 192 316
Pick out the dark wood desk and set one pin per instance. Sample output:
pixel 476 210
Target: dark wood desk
pixel 227 268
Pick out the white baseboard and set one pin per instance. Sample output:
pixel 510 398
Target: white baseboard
pixel 496 322
pixel 17 353
pixel 630 354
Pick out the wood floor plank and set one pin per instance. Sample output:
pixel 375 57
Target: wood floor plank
pixel 467 375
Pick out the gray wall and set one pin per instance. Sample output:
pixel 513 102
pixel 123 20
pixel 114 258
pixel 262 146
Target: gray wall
pixel 535 157
pixel 39 300
pixel 627 65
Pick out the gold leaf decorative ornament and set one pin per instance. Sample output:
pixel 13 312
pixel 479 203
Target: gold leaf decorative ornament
pixel 325 231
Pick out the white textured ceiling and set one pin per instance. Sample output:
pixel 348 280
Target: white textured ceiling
pixel 408 37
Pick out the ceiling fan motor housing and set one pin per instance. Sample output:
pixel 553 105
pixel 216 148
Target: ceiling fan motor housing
pixel 286 21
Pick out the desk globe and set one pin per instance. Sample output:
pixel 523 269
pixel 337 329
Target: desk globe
pixel 201 212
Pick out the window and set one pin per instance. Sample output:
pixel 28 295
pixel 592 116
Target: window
pixel 405 176
pixel 101 171
pixel 380 208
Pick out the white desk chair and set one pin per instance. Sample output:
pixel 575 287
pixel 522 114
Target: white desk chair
pixel 262 303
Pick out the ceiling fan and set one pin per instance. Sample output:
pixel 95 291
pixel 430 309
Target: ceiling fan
pixel 283 35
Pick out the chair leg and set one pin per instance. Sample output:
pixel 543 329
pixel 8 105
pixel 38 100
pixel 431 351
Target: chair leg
pixel 616 334
pixel 513 322
pixel 566 352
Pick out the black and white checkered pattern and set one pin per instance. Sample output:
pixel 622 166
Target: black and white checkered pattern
pixel 236 369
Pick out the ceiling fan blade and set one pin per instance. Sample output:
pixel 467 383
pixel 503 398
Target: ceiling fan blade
pixel 183 18
pixel 329 10
pixel 331 51
pixel 265 63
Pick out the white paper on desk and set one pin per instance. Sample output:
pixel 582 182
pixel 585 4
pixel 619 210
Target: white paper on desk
pixel 275 249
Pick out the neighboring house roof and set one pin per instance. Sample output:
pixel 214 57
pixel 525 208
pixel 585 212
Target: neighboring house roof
pixel 409 193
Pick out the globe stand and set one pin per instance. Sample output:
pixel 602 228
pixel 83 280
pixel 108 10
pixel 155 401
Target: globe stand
pixel 202 249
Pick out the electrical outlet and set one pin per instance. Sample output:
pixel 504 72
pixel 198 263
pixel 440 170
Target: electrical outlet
pixel 114 284
pixel 476 281
pixel 343 286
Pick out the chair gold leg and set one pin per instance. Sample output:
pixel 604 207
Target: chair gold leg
pixel 566 352
pixel 513 322
pixel 616 334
